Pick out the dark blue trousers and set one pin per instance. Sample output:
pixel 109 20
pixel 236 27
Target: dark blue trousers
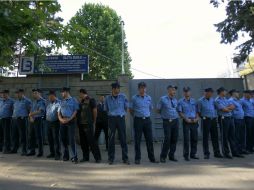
pixel 143 126
pixel 6 123
pixel 117 123
pixel 1 136
pixel 67 132
pixel 54 137
pixel 170 128
pixel 249 122
pixel 190 139
pixel 240 135
pixel 36 135
pixel 19 133
pixel 228 135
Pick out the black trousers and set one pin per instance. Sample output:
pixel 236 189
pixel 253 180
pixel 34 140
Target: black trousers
pixel 209 127
pixel 171 128
pixel 1 135
pixel 240 135
pixel 249 122
pixel 36 135
pixel 88 142
pixel 99 127
pixel 117 123
pixel 143 126
pixel 54 137
pixel 6 123
pixel 190 139
pixel 228 135
pixel 19 133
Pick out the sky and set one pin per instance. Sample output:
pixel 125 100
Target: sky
pixel 169 39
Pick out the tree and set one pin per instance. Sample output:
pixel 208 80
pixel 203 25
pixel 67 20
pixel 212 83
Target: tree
pixel 95 30
pixel 239 21
pixel 28 27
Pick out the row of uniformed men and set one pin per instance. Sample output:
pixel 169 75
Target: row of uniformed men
pixel 235 116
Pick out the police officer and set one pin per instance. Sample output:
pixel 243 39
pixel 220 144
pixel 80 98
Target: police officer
pixel 86 122
pixel 53 125
pixel 187 108
pixel 116 105
pixel 224 108
pixel 167 108
pixel 238 115
pixel 208 114
pixel 36 117
pixel 248 108
pixel 141 107
pixel 6 110
pixel 1 126
pixel 67 116
pixel 102 121
pixel 21 110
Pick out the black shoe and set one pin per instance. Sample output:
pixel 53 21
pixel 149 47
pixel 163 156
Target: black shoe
pixel 137 162
pixel 228 156
pixel 172 158
pixel 74 160
pixel 206 157
pixel 65 159
pixel 1 149
pixel 57 157
pixel 163 160
pixel 39 155
pixel 98 161
pixel 30 153
pixel 84 160
pixel 110 162
pixel 24 153
pixel 127 162
pixel 194 157
pixel 186 159
pixel 218 155
pixel 14 151
pixel 238 156
pixel 244 152
pixel 51 156
pixel 154 161
pixel 7 152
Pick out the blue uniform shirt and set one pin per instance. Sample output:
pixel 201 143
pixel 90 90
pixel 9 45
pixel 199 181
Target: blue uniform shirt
pixel 221 103
pixel 21 107
pixel 248 107
pixel 238 112
pixel 206 107
pixel 52 110
pixel 188 107
pixel 39 105
pixel 68 106
pixel 168 107
pixel 141 106
pixel 116 106
pixel 6 108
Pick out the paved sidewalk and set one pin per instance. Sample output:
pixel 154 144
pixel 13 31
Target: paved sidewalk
pixel 26 173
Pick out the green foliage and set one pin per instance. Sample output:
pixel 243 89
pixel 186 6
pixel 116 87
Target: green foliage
pixel 29 27
pixel 95 30
pixel 239 21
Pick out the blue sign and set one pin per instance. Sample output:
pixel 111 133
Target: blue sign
pixel 62 64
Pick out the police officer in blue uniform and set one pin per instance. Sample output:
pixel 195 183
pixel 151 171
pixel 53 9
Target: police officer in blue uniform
pixel 53 125
pixel 207 112
pixel 141 107
pixel 187 108
pixel 238 115
pixel 36 117
pixel 1 126
pixel 21 110
pixel 116 105
pixel 224 108
pixel 6 110
pixel 167 108
pixel 67 116
pixel 248 108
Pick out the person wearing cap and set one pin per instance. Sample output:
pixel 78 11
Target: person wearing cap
pixel 102 121
pixel 87 114
pixel 36 117
pixel 167 108
pixel 208 114
pixel 67 116
pixel 238 115
pixel 224 109
pixel 21 110
pixel 1 126
pixel 116 106
pixel 6 111
pixel 248 108
pixel 53 125
pixel 140 108
pixel 187 108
